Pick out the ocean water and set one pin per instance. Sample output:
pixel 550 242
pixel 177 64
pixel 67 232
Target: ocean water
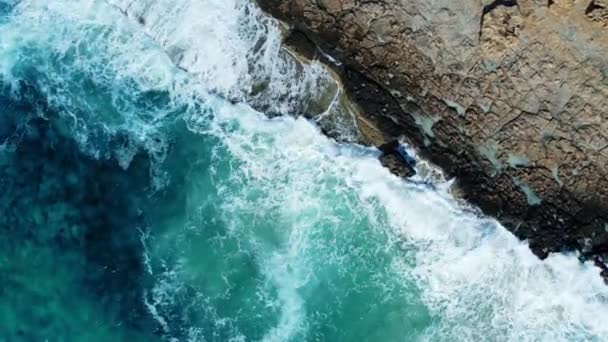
pixel 150 192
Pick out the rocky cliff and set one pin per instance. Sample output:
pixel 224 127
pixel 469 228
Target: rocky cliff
pixel 508 96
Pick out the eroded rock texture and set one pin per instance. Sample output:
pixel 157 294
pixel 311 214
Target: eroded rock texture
pixel 509 96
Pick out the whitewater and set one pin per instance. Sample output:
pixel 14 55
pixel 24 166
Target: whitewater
pixel 164 178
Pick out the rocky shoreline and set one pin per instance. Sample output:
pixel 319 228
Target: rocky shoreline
pixel 509 97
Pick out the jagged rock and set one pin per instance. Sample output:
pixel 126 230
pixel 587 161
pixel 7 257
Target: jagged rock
pixel 396 165
pixel 393 160
pixel 509 96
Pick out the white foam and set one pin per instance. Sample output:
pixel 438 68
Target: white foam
pixel 233 49
pixel 475 276
pixel 67 42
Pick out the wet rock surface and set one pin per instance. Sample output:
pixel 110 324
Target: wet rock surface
pixel 510 97
pixel 395 162
pixel 396 165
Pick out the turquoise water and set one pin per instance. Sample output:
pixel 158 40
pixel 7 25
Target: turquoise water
pixel 141 203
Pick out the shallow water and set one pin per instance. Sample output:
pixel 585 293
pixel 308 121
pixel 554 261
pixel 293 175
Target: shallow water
pixel 140 202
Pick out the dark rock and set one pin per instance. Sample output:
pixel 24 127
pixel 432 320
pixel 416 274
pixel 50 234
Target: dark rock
pixel 398 162
pixel 300 44
pixel 397 165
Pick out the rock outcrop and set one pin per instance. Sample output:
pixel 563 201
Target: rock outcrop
pixel 508 96
pixel 398 161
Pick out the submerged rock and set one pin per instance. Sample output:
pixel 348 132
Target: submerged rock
pixel 509 97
